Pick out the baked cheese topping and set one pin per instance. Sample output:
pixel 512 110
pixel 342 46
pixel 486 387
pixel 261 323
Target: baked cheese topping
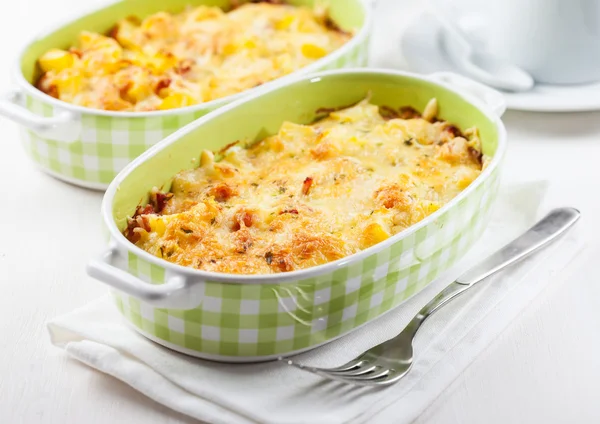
pixel 169 61
pixel 309 194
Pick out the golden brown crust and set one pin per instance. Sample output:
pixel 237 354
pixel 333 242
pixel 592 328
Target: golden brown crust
pixel 309 194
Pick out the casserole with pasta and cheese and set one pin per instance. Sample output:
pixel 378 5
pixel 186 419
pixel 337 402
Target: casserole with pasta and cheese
pixel 310 194
pixel 173 60
pixel 273 225
pixel 96 91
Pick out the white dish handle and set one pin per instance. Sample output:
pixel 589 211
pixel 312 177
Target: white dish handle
pixel 65 126
pixel 176 293
pixel 492 98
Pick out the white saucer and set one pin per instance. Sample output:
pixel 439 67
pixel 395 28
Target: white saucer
pixel 423 52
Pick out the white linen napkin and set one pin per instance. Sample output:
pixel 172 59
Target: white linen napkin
pixel 276 393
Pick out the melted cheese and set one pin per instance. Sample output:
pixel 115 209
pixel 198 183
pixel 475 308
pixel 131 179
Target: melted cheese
pixel 311 194
pixel 169 61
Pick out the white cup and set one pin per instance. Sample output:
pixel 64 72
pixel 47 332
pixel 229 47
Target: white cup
pixel 556 41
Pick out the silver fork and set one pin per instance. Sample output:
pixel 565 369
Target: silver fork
pixel 388 362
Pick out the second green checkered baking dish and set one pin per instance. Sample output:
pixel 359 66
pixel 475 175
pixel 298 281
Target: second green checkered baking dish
pixel 258 317
pixel 89 147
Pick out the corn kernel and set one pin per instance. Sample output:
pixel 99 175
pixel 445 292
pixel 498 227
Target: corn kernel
pixel 250 44
pixel 137 58
pixel 285 23
pixel 113 67
pixel 229 49
pixel 374 233
pixel 137 92
pixel 176 100
pixel 432 207
pixel 464 182
pixel 142 234
pixel 161 63
pixel 68 81
pixel 56 60
pixel 312 51
pixel 157 225
pixel 276 145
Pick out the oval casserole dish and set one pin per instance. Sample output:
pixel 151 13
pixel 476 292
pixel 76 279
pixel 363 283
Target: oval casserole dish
pixel 259 317
pixel 88 147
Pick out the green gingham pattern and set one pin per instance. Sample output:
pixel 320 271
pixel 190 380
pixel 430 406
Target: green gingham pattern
pixel 242 320
pixel 105 146
pixel 109 143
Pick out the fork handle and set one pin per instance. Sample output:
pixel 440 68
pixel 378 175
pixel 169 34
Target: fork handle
pixel 540 235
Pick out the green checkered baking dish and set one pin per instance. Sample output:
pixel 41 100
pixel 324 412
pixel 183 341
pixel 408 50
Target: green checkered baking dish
pixel 89 147
pixel 258 317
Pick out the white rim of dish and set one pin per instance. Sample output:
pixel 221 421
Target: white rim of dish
pixel 30 89
pixel 120 239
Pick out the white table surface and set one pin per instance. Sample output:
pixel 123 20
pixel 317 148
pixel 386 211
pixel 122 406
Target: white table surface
pixel 543 368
